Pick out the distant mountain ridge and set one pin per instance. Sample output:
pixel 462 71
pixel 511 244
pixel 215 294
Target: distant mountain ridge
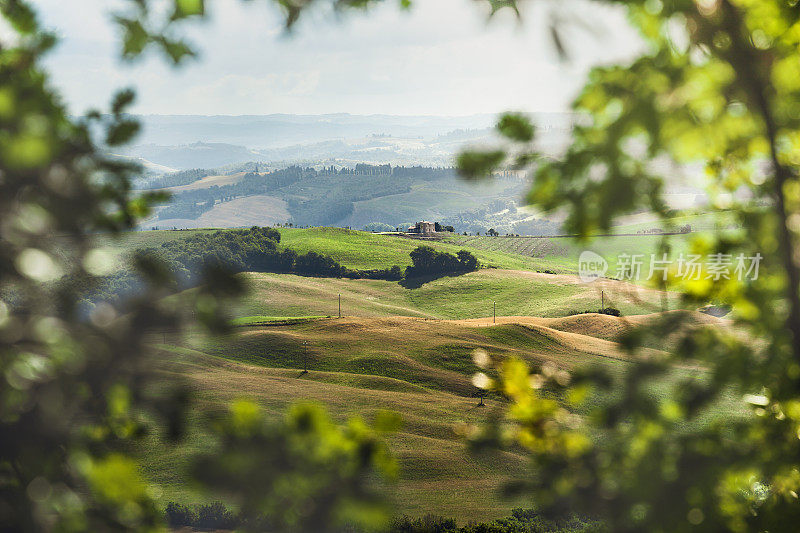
pixel 273 131
pixel 193 141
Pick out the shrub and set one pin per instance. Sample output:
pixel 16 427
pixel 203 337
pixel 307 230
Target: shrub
pixel 215 516
pixel 426 524
pixel 180 515
pixel 613 311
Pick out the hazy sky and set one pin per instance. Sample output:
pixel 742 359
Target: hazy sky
pixel 442 58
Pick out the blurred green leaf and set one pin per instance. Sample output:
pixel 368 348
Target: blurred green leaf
pixel 122 132
pixel 20 15
pixel 516 127
pixel 122 100
pixel 476 164
pixel 176 50
pixel 188 8
pixel 134 37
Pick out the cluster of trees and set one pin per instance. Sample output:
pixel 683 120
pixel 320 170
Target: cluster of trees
pixel 315 197
pixel 520 521
pixel 175 179
pixel 254 250
pixel 376 227
pixel 426 261
pixel 440 227
pixel 215 516
pixel 372 170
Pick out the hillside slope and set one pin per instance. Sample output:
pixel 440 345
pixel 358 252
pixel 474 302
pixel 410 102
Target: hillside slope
pixel 471 295
pixel 420 368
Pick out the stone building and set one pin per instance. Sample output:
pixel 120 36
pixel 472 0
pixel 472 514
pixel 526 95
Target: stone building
pixel 423 227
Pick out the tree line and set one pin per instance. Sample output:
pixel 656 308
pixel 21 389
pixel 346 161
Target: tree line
pixel 256 250
pixel 315 197
pixel 216 515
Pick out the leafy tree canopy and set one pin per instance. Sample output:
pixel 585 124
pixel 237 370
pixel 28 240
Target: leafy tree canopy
pixel 718 83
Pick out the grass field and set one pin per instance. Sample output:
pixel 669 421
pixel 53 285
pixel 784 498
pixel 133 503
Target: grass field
pixel 404 346
pixel 258 210
pixel 563 252
pixel 353 249
pixel 438 474
pixel 469 295
pixel 364 250
pixel 420 368
pixel 359 249
pixel 417 367
pixel 208 181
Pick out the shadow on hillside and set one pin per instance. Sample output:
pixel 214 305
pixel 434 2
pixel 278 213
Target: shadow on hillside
pixel 418 281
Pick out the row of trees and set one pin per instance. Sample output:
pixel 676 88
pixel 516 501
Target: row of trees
pixel 256 250
pixel 175 179
pixel 215 516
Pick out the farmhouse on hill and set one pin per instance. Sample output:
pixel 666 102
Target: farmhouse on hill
pixel 422 227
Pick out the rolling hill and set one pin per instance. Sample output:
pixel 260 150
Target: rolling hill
pixel 404 346
pixel 417 367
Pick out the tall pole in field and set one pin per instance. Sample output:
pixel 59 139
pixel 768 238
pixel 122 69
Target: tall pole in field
pixel 340 305
pixel 494 312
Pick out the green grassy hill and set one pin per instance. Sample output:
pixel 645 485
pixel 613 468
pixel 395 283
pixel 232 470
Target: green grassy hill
pixel 357 249
pixel 417 367
pixel 438 474
pixel 563 252
pixel 404 346
pixel 364 250
pixel 469 295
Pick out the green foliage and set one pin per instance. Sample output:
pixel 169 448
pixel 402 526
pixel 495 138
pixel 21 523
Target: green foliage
pixel 520 521
pixel 427 260
pixel 311 479
pixel 254 250
pixel 516 127
pixel 77 384
pixel 718 83
pixel 476 165
pixel 70 394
